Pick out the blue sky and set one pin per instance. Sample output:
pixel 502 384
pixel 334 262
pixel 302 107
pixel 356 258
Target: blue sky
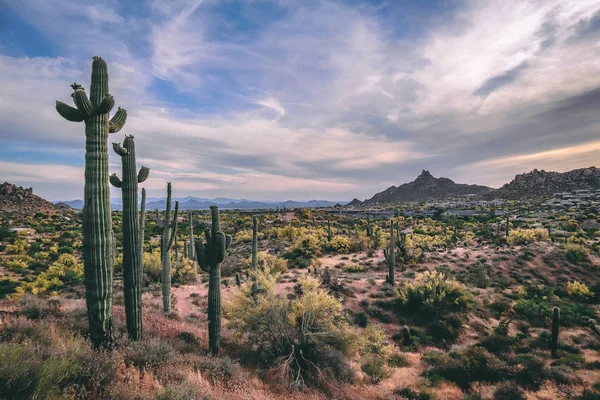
pixel 282 99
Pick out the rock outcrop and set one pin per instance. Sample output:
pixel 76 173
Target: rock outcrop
pixel 17 199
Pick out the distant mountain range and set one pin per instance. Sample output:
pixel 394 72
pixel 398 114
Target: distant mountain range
pixel 200 203
pixel 543 184
pixel 425 187
pixel 534 184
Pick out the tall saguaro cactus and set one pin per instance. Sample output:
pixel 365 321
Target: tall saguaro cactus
pixel 191 252
pixel 97 219
pixel 210 255
pixel 168 235
pixel 389 255
pixel 255 255
pixel 132 257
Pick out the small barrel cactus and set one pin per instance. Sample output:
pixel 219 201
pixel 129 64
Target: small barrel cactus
pixel 406 338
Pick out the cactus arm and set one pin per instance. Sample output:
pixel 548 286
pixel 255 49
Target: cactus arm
pixel 69 113
pixel 143 174
pixel 115 181
pixel 142 226
pixel 81 100
pixel 119 150
pixel 105 105
pixel 117 121
pixel 201 255
pixel 220 248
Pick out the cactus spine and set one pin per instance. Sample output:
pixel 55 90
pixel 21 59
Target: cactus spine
pixel 191 253
pixel 389 255
pixel 97 219
pixel 132 261
pixel 168 235
pixel 209 256
pixel 555 327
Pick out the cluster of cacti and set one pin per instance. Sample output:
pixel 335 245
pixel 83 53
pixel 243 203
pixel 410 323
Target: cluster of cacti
pixel 132 255
pixel 97 219
pixel 209 256
pixel 555 328
pixel 390 256
pixel 168 236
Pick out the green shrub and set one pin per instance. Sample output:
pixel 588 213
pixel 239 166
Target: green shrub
pixel 375 369
pixel 354 269
pixel 149 354
pixel 178 391
pixel 576 253
pixel 521 236
pixel 341 244
pixel 398 360
pixel 509 391
pixel 432 295
pixel 410 394
pixel 275 264
pixel 223 370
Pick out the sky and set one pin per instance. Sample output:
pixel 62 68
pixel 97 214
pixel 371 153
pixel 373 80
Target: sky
pixel 311 99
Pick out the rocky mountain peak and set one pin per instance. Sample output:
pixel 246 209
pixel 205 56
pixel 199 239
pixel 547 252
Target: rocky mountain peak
pixel 21 200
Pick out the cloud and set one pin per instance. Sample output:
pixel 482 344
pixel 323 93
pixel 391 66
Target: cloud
pixel 317 98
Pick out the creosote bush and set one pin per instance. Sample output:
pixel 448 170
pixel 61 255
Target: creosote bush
pixel 302 341
pixel 275 264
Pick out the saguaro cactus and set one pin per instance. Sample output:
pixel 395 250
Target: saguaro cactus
pixel 132 256
pixel 329 234
pixel 389 255
pixel 369 228
pixel 255 287
pixel 97 219
pixel 406 338
pixel 142 235
pixel 168 235
pixel 507 226
pixel 555 327
pixel 209 256
pixel 191 254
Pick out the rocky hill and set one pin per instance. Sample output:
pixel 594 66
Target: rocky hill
pixel 18 199
pixel 543 184
pixel 426 187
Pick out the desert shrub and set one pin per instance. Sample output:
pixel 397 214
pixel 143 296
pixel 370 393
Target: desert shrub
pixel 19 246
pixel 244 236
pixel 178 391
pixel 521 236
pixel 497 344
pixel 474 364
pixel 153 266
pixel 307 246
pixel 509 391
pixel 361 319
pixel 432 295
pixel 223 370
pixel 184 271
pixel 571 226
pixel 70 370
pixel 341 244
pixel 16 264
pixel 275 264
pixel 398 360
pixel 530 371
pixel 375 369
pixel 576 253
pixel 7 286
pixel 35 308
pixel 65 270
pixel 148 354
pixel 579 291
pixel 301 340
pixel 410 394
pixel 354 269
